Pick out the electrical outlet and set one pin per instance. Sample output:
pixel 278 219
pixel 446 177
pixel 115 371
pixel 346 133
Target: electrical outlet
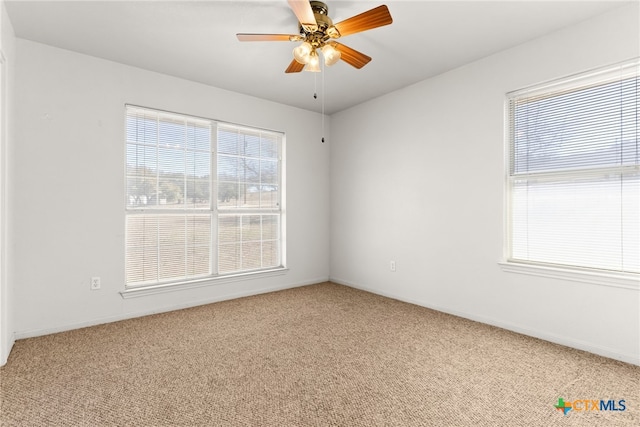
pixel 392 266
pixel 95 283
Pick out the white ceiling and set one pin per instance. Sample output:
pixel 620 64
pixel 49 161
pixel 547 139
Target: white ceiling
pixel 196 40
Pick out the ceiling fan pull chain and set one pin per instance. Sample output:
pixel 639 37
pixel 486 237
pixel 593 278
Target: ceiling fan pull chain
pixel 322 100
pixel 315 86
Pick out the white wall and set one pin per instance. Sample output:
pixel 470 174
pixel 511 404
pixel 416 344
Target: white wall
pixel 67 187
pixel 7 46
pixel 417 177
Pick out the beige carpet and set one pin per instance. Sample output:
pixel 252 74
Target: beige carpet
pixel 321 355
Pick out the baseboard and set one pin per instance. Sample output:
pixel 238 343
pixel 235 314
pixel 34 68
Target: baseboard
pixel 7 350
pixel 543 335
pixel 133 315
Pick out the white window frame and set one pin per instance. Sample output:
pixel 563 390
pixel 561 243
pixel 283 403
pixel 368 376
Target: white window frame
pixel 214 210
pixel 629 280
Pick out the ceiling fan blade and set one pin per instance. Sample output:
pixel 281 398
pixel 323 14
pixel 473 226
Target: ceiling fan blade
pixel 351 56
pixel 374 18
pixel 294 67
pixel 304 13
pixel 244 37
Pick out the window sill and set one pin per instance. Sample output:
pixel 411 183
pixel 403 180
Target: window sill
pixel 618 280
pixel 140 291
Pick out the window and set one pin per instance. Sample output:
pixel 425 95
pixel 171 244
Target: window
pixel 573 179
pixel 203 198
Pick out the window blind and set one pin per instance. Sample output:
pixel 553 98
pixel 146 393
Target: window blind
pixel 203 198
pixel 574 171
pixel 249 199
pixel 168 228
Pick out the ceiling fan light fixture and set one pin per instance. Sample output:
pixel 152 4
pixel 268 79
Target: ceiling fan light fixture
pixel 302 53
pixel 314 63
pixel 331 54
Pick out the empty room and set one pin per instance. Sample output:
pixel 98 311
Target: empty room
pixel 319 213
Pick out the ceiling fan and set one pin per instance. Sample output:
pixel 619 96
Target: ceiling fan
pixel 318 32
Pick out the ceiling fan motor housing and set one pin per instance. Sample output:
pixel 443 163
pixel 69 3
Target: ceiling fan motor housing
pixel 319 7
pixel 325 29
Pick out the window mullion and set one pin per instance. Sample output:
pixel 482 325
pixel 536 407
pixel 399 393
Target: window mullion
pixel 213 202
pixel 185 268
